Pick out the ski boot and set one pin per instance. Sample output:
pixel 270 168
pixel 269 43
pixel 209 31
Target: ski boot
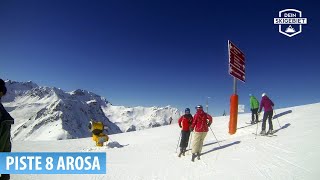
pixel 263 133
pixel 184 151
pixel 270 132
pixel 5 177
pixel 181 152
pixel 193 157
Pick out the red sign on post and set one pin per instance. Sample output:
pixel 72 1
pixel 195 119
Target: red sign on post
pixel 236 62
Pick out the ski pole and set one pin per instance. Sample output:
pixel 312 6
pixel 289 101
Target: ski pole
pixel 277 118
pixel 190 141
pixel 214 136
pixel 209 126
pixel 257 129
pixel 178 142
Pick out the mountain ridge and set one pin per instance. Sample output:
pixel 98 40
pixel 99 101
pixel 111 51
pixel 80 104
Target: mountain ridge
pixel 49 113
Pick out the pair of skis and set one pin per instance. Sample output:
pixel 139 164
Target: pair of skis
pixel 267 135
pixel 253 123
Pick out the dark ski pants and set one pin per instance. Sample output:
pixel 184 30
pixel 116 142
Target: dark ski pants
pixel 184 139
pixel 5 143
pixel 267 115
pixel 254 112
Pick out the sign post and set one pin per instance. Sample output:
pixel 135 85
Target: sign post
pixel 236 62
pixel 237 70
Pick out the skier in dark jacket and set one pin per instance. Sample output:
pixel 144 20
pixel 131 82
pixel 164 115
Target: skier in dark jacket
pixel 185 122
pixel 267 104
pixel 5 126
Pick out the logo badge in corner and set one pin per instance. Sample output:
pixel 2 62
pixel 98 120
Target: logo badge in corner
pixel 290 22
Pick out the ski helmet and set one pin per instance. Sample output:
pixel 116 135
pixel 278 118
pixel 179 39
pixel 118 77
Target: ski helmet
pixel 199 107
pixel 187 110
pixel 264 94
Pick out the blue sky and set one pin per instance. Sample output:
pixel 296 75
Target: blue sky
pixel 158 53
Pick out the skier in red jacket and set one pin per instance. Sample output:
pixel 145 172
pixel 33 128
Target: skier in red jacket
pixel 201 122
pixel 185 122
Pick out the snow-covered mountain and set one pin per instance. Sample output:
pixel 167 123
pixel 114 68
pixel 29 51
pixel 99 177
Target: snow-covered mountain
pixel 49 113
pixel 292 153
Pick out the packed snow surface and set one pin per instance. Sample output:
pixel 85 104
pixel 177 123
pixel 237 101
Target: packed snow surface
pixel 293 153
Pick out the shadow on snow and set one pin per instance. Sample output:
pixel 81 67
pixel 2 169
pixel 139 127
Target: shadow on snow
pixel 281 114
pixel 221 147
pixel 208 144
pixel 246 126
pixel 115 144
pixel 283 127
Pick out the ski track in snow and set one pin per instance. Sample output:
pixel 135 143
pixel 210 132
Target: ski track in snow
pixel 258 169
pixel 293 164
pixel 273 164
pixel 281 149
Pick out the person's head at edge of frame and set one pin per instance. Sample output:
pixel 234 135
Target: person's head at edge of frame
pixel 3 89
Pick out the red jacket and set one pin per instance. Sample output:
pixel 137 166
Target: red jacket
pixel 185 122
pixel 201 121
